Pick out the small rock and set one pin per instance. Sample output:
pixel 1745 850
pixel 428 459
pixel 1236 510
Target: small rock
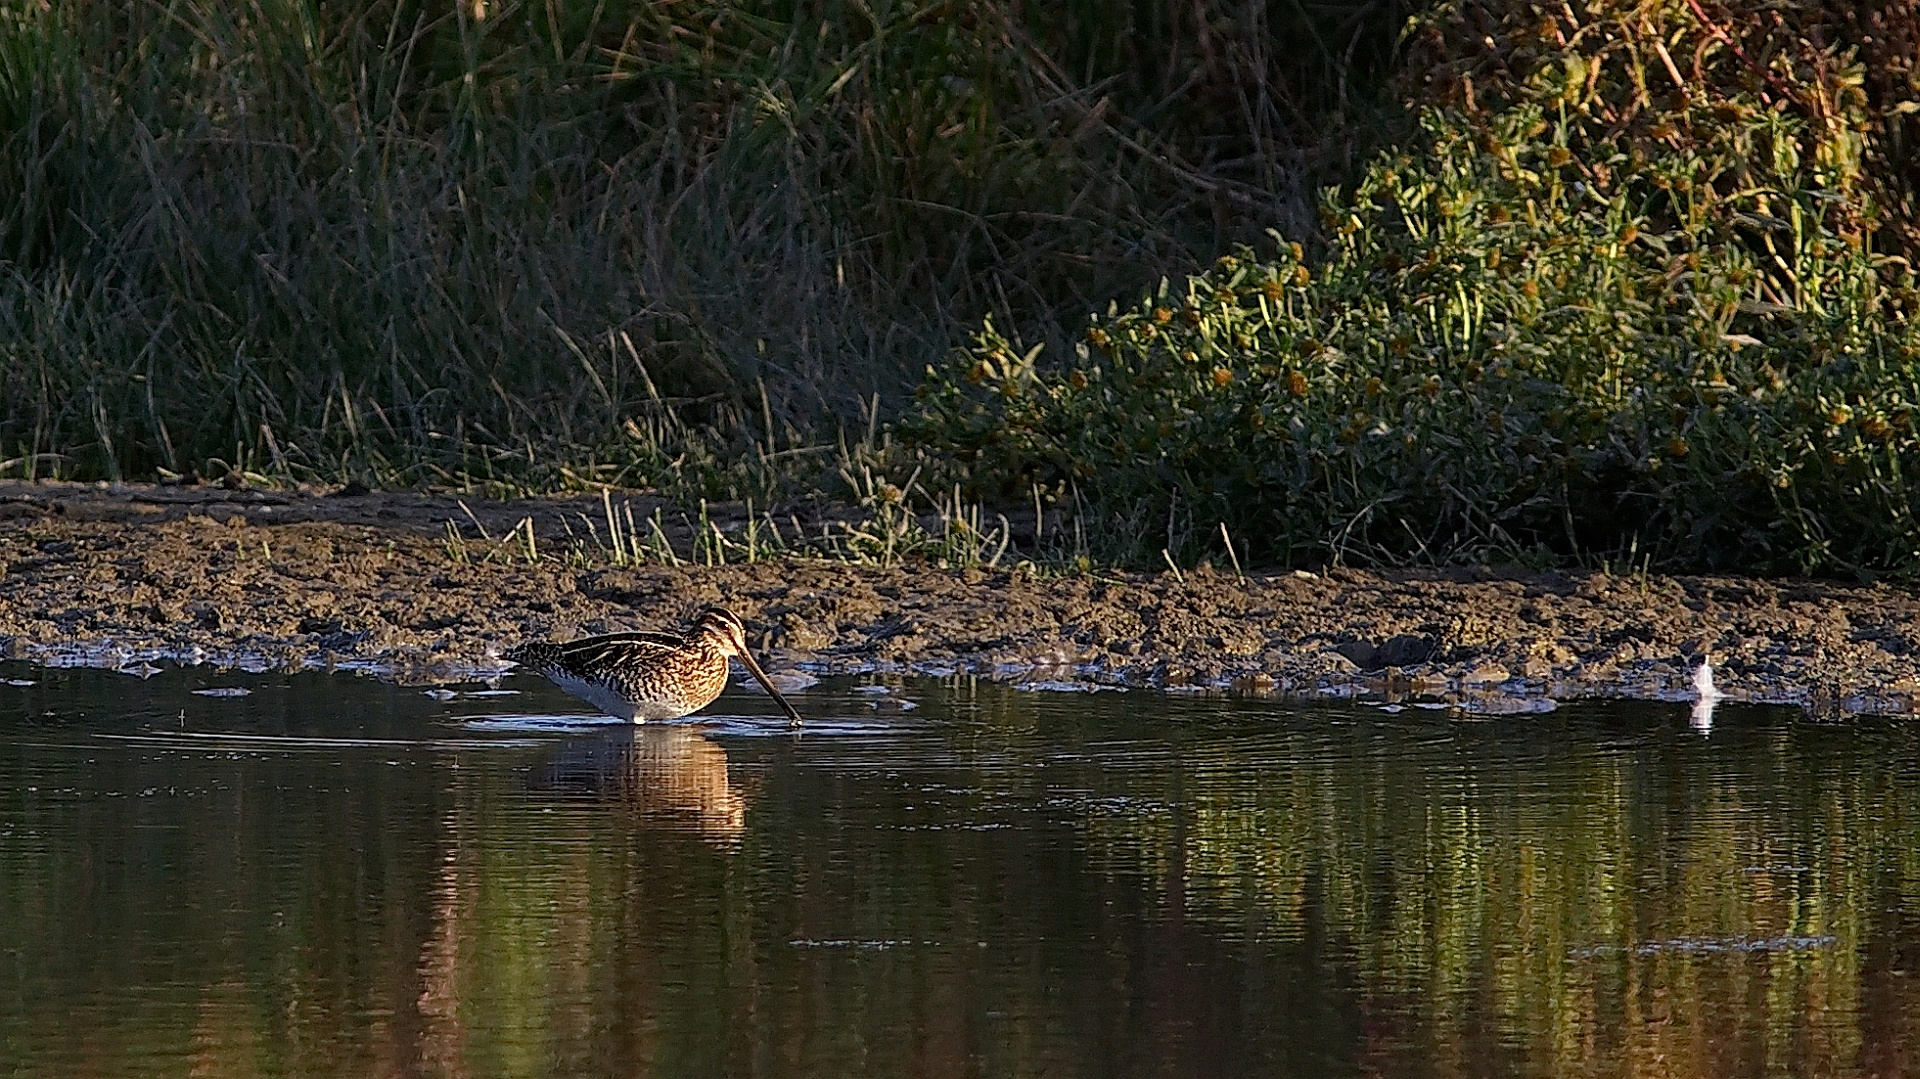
pixel 1405 650
pixel 1484 674
pixel 1333 661
pixel 1360 653
pixel 801 635
pixel 791 682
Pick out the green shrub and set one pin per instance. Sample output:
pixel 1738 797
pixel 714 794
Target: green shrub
pixel 1578 321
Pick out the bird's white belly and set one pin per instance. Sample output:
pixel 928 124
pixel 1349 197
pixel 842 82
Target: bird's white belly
pixel 614 705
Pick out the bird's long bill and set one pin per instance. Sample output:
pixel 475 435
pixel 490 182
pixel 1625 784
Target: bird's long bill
pixel 747 658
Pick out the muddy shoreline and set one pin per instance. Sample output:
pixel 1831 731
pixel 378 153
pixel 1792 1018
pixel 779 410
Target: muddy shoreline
pixel 129 574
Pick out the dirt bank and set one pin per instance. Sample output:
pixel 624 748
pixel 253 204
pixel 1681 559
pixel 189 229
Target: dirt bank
pixel 121 575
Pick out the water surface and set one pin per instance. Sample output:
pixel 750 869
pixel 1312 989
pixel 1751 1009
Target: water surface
pixel 333 876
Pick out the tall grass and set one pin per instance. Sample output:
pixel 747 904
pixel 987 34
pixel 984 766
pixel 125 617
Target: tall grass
pixel 609 242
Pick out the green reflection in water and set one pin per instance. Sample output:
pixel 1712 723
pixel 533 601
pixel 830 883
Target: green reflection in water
pixel 334 877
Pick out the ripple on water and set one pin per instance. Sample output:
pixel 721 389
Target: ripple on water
pixel 542 723
pixel 730 726
pixel 814 727
pixel 1055 686
pixel 277 743
pixel 1711 946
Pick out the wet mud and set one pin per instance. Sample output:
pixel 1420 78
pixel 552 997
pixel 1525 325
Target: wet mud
pixel 129 575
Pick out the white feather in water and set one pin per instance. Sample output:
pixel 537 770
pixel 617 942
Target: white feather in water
pixel 1707 695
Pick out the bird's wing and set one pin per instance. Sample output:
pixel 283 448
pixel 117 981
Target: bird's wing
pixel 590 655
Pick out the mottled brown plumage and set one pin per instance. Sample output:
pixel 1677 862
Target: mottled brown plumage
pixel 643 676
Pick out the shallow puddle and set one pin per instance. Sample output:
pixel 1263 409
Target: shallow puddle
pixel 327 875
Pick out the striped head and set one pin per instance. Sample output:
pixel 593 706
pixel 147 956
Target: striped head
pixel 719 629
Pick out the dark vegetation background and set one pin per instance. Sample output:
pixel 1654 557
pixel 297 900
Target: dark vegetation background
pixel 717 248
pixel 420 239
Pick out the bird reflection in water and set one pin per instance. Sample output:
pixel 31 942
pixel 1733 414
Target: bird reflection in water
pixel 667 773
pixel 667 777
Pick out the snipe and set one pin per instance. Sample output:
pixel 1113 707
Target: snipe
pixel 643 676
